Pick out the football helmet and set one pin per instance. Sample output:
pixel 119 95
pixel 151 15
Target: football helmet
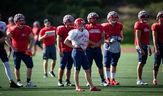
pixel 92 15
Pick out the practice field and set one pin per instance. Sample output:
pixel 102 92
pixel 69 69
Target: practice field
pixel 126 75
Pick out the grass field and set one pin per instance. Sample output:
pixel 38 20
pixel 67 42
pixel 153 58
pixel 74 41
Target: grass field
pixel 126 75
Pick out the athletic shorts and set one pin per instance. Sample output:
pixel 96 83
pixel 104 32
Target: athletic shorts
pixel 18 56
pixel 66 61
pixel 96 55
pixel 143 58
pixel 111 58
pixel 80 59
pixel 49 53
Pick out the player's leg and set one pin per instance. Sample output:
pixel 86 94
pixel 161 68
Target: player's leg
pixel 157 62
pixel 17 62
pixel 63 62
pixel 53 63
pixel 68 71
pixel 77 65
pixel 51 72
pixel 140 66
pixel 29 64
pixel 115 58
pixel 6 64
pixel 99 64
pixel 85 65
pixel 90 54
pixel 107 62
pixel 46 56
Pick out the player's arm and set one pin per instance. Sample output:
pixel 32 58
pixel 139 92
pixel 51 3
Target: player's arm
pixel 154 35
pixel 32 41
pixel 68 43
pixel 122 36
pixel 41 37
pixel 102 38
pixel 106 39
pixel 59 40
pixel 139 45
pixel 8 40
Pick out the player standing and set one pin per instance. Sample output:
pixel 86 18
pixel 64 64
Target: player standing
pixel 141 30
pixel 20 35
pixel 113 36
pixel 48 36
pixel 157 33
pixel 78 39
pixel 96 37
pixel 64 50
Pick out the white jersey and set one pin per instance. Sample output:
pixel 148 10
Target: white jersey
pixel 2 26
pixel 79 38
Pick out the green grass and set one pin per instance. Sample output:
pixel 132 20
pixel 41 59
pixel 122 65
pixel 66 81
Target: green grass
pixel 126 75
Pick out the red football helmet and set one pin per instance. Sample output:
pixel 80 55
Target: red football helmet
pixel 79 23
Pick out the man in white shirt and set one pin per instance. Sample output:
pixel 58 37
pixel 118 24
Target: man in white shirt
pixel 78 40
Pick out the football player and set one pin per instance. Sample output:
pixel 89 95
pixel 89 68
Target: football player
pixel 48 36
pixel 96 37
pixel 157 33
pixel 113 36
pixel 64 50
pixel 20 35
pixel 141 31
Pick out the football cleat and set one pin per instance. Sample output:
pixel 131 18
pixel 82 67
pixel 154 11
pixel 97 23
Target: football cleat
pixel 114 82
pixel 45 75
pixel 52 74
pixel 19 84
pixel 68 83
pixel 14 85
pixel 60 84
pixel 30 85
pixel 104 83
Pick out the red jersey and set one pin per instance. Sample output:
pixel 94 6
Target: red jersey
pixel 95 32
pixel 20 37
pixel 144 28
pixel 112 30
pixel 62 31
pixel 158 28
pixel 36 31
pixel 50 40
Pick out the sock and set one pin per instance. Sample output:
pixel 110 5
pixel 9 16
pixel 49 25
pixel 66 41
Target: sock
pixel 60 80
pixel 113 75
pixel 107 74
pixel 7 70
pixel 18 80
pixel 28 80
